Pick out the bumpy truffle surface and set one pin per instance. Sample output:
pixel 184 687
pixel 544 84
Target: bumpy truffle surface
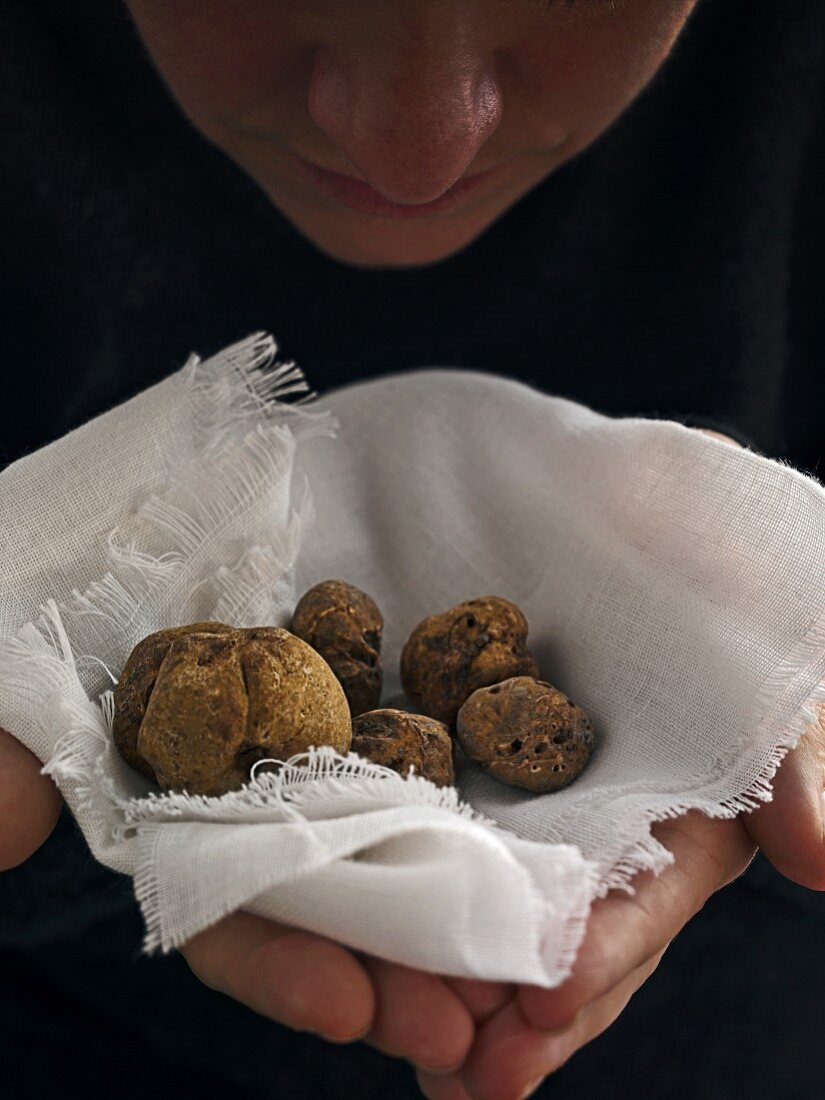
pixel 449 656
pixel 526 733
pixel 399 740
pixel 344 625
pixel 196 706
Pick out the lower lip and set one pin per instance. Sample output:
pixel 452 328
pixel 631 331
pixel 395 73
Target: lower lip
pixel 363 198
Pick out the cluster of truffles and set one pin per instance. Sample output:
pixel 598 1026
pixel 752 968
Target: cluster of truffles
pixel 197 706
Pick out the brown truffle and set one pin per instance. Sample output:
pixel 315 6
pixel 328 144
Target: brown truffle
pixel 449 656
pixel 399 740
pixel 526 733
pixel 344 625
pixel 197 706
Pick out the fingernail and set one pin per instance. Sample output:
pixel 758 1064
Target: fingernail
pixel 531 1088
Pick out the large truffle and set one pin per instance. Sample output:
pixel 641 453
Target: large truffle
pixel 344 625
pixel 399 740
pixel 526 733
pixel 449 656
pixel 196 706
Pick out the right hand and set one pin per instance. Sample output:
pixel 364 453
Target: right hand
pixel 30 803
pixel 298 979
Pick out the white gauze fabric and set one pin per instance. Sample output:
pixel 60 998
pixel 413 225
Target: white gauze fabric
pixel 674 586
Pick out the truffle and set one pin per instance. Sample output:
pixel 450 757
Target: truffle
pixel 449 656
pixel 196 706
pixel 344 625
pixel 399 740
pixel 526 733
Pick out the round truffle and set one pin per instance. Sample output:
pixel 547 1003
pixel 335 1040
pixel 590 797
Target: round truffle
pixel 344 625
pixel 449 656
pixel 399 740
pixel 196 706
pixel 526 733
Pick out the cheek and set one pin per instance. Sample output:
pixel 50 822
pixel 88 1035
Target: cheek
pixel 585 72
pixel 218 57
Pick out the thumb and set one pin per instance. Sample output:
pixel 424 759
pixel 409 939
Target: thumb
pixel 790 830
pixel 29 803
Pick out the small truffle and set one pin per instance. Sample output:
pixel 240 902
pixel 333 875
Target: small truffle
pixel 449 656
pixel 344 625
pixel 526 733
pixel 196 706
pixel 399 740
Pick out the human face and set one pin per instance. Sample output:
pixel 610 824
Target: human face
pixel 409 99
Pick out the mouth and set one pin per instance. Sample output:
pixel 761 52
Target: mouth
pixel 360 196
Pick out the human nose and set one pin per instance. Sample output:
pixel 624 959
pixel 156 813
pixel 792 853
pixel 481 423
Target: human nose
pixel 410 117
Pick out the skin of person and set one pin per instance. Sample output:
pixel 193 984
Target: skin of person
pixel 407 98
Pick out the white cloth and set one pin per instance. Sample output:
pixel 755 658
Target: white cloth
pixel 674 586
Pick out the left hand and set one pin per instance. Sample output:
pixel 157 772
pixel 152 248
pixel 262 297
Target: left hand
pixel 535 1032
pixel 538 1030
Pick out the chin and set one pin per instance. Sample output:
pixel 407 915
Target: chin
pixel 386 259
pixel 381 244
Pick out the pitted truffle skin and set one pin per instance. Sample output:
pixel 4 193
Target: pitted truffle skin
pixel 399 740
pixel 526 733
pixel 344 625
pixel 449 656
pixel 197 706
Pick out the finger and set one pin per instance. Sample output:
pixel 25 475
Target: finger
pixel 295 978
pixel 790 830
pixel 623 930
pixel 29 803
pixel 510 1059
pixel 418 1018
pixel 441 1087
pixel 481 998
pixel 720 435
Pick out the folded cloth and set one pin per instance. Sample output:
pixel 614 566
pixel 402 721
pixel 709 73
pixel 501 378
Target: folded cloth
pixel 674 586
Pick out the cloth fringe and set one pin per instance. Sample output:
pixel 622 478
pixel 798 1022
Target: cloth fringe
pixel 236 399
pixel 244 447
pixel 303 786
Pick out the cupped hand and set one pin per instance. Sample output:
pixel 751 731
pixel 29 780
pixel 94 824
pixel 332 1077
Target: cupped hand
pixel 311 983
pixel 298 979
pixel 534 1034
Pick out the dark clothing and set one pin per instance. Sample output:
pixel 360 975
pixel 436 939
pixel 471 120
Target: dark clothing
pixel 676 268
